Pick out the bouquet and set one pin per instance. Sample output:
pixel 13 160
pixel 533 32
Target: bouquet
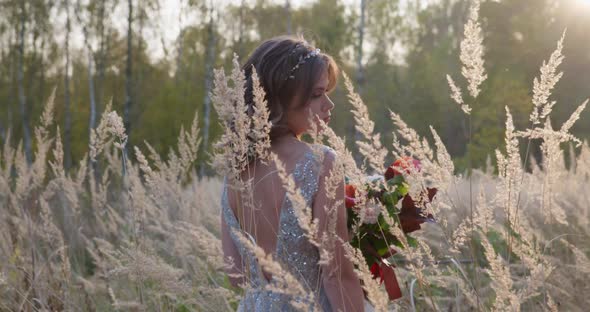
pixel 386 196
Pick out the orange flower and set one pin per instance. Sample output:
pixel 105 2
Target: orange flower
pixel 349 195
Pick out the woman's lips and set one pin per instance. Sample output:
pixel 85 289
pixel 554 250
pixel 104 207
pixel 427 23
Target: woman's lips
pixel 327 119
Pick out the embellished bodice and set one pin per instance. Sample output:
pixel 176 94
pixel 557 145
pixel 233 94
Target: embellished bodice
pixel 293 252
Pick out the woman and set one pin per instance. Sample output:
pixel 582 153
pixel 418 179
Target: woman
pixel 297 79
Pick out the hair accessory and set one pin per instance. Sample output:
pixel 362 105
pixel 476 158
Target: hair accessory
pixel 294 49
pixel 302 60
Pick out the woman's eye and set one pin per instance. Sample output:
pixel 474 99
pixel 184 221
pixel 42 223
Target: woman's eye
pixel 315 96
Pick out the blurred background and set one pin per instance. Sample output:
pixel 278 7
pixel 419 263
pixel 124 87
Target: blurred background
pixel 154 60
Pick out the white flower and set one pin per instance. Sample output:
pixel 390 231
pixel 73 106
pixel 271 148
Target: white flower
pixel 372 211
pixel 374 178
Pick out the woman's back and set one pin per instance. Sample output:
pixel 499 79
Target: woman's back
pixel 271 221
pixel 258 213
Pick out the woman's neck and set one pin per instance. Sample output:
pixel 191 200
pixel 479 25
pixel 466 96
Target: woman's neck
pixel 285 142
pixel 289 136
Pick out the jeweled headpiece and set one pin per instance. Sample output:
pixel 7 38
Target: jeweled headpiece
pixel 301 61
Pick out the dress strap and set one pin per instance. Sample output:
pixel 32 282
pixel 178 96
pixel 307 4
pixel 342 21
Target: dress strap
pixel 306 173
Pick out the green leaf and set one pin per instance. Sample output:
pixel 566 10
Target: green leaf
pixel 182 308
pixel 381 222
pixel 403 189
pixel 398 244
pixel 397 180
pixel 390 198
pixel 413 242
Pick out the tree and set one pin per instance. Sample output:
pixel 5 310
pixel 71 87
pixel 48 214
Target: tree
pixel 360 73
pixel 20 82
pixel 209 63
pixel 288 14
pixel 68 115
pixel 128 70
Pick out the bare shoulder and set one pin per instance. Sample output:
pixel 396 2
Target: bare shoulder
pixel 330 154
pixel 324 150
pixel 328 157
pixel 297 152
pixel 290 151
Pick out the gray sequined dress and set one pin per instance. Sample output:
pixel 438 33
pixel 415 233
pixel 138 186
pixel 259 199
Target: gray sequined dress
pixel 294 252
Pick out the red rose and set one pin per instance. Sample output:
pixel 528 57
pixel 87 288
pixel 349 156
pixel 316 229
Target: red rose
pixel 376 270
pixel 401 164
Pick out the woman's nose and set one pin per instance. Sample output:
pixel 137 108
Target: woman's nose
pixel 329 104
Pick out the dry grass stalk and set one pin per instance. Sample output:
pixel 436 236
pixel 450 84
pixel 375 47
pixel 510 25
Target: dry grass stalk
pixel 472 51
pixel 502 282
pixel 283 282
pixel 543 85
pixel 371 147
pixel 300 207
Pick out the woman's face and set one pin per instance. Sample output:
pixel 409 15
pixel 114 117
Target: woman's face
pixel 319 107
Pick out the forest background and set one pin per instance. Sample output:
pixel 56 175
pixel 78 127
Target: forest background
pixel 397 52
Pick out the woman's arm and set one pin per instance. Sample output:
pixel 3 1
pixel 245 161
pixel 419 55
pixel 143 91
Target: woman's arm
pixel 341 283
pixel 230 251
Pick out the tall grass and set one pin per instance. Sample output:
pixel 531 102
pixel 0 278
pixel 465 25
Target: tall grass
pixel 115 234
